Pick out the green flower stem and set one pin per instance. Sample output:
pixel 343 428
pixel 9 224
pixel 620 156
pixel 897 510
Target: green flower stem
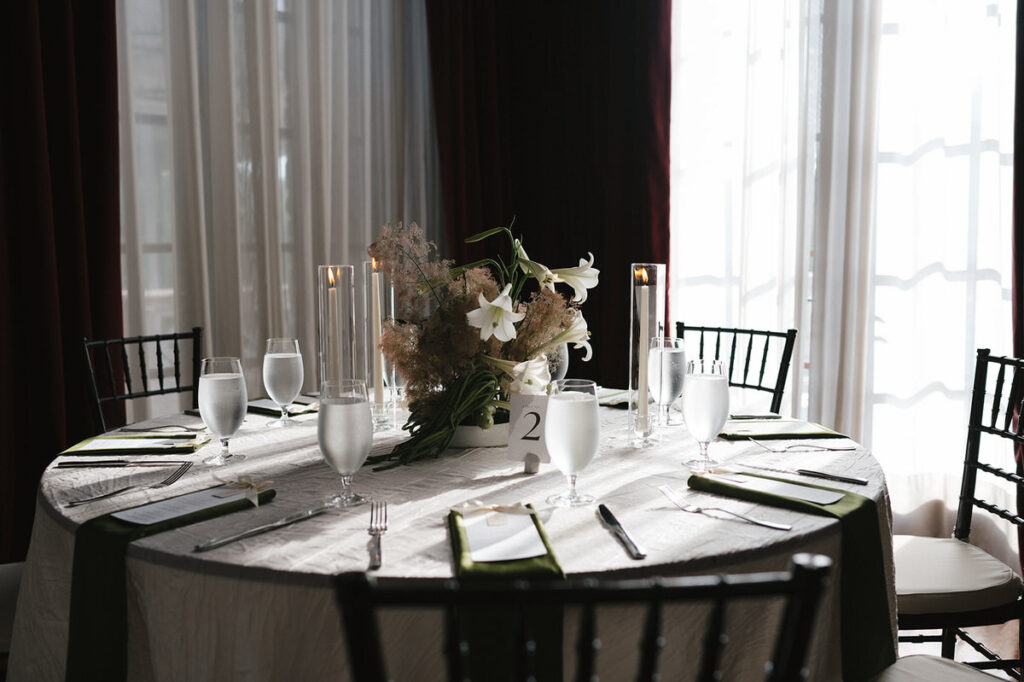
pixel 432 425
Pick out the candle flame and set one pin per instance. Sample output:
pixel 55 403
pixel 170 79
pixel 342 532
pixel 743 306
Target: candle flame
pixel 641 275
pixel 330 276
pixel 373 263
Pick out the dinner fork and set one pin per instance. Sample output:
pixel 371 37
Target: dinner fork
pixel 174 476
pixel 378 526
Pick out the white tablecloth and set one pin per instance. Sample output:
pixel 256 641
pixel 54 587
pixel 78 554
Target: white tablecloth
pixel 262 608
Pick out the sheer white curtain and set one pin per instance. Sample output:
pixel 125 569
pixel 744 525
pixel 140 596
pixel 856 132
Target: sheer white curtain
pixel 260 139
pixel 846 168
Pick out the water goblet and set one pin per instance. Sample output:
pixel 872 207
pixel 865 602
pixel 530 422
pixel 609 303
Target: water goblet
pixel 345 433
pixel 666 371
pixel 705 406
pixel 222 403
pixel 282 376
pixel 572 431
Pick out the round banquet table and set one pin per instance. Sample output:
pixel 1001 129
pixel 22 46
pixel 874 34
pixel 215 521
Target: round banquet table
pixel 263 608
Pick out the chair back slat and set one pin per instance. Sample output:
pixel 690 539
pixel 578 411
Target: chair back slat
pixel 652 643
pixel 768 379
pixel 715 640
pixel 143 373
pixel 809 581
pixel 160 364
pixel 359 596
pixel 120 384
pixel 456 648
pixel 525 647
pixel 764 360
pixel 177 365
pixel 586 644
pixel 746 359
pixel 997 396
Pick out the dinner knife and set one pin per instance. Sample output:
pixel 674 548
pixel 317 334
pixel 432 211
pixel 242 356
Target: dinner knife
pixel 620 532
pixel 807 472
pixel 280 523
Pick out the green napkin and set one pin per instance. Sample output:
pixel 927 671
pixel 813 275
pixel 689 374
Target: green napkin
pixel 97 624
pixel 303 406
pixel 139 444
pixel 490 632
pixel 772 428
pixel 865 627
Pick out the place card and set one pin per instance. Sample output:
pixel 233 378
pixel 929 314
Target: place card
pixel 497 536
pixel 781 488
pixel 155 512
pixel 526 429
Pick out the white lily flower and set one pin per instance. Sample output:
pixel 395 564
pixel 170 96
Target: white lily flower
pixel 576 334
pixel 531 377
pixel 534 269
pixel 495 317
pixel 580 278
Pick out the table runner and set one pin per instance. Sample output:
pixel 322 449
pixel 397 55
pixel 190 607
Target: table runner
pixel 97 624
pixel 488 636
pixel 866 639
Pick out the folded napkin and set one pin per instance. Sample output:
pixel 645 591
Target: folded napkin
pixel 490 632
pixel 138 444
pixel 269 407
pixel 97 624
pixel 767 429
pixel 865 626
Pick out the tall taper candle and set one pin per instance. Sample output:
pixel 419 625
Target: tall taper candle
pixel 334 338
pixel 642 347
pixel 378 360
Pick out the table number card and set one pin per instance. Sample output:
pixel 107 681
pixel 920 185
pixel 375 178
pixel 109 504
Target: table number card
pixel 526 430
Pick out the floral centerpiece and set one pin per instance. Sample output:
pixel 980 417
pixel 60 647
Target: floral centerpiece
pixel 464 337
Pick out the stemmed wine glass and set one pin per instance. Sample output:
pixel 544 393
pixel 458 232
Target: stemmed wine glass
pixel 222 403
pixel 705 406
pixel 282 376
pixel 572 431
pixel 345 432
pixel 666 371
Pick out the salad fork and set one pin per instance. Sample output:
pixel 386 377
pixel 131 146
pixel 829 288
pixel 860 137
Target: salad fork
pixel 684 504
pixel 174 476
pixel 378 526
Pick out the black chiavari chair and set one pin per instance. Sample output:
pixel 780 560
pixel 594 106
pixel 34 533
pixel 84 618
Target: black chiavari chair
pixel 948 584
pixel 111 376
pixel 750 356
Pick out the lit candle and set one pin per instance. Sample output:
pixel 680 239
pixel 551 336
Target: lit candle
pixel 334 334
pixel 378 360
pixel 642 345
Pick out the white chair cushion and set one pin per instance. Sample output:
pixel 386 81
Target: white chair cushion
pixel 929 669
pixel 10 580
pixel 943 575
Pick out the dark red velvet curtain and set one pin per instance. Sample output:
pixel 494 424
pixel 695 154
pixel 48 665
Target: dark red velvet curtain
pixel 1018 247
pixel 557 113
pixel 60 262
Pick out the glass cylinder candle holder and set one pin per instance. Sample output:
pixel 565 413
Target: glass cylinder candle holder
pixel 379 307
pixel 336 323
pixel 647 321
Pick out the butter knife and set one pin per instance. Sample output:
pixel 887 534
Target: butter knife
pixel 280 523
pixel 807 472
pixel 620 532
